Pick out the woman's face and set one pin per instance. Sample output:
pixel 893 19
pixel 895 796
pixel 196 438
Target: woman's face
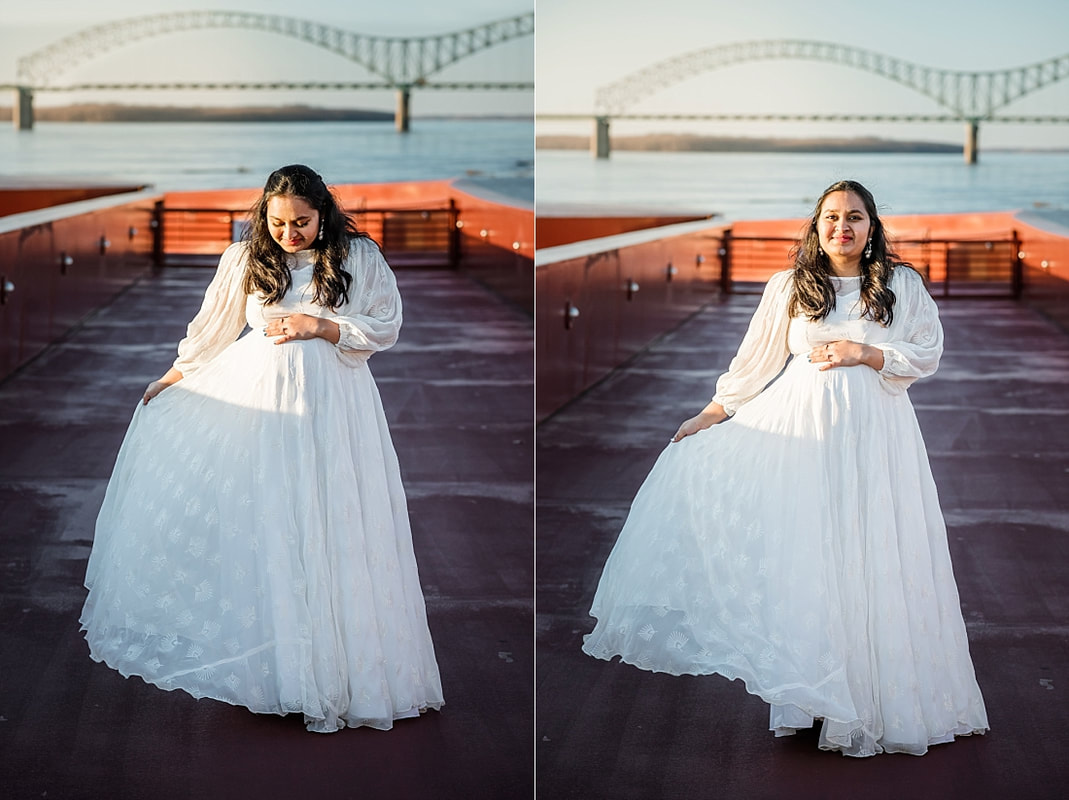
pixel 293 223
pixel 843 227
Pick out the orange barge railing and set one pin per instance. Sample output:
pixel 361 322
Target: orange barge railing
pixel 603 300
pixel 60 263
pixel 991 266
pixel 424 237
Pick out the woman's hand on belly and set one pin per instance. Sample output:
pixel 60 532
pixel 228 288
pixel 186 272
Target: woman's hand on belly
pixel 300 327
pixel 844 353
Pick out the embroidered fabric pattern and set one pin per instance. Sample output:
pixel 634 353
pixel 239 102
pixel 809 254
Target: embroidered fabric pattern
pixel 254 544
pixel 835 597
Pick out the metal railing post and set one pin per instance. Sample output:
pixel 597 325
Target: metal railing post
pixel 157 234
pixel 725 263
pixel 946 269
pixel 1017 267
pixel 453 236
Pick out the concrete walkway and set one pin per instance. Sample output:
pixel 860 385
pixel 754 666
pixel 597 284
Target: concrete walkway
pixel 458 393
pixel 996 421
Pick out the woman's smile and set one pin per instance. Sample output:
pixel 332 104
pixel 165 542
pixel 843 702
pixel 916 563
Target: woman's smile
pixel 843 227
pixel 293 223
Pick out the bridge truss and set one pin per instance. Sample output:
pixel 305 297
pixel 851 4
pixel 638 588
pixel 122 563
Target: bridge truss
pixel 400 63
pixel 969 97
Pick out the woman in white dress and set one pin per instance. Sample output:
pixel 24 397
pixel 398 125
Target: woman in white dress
pixel 254 544
pixel 791 535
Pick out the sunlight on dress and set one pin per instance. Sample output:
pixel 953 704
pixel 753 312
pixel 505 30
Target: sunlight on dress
pixel 799 546
pixel 254 544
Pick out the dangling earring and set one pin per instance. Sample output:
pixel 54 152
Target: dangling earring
pixel 820 249
pixel 868 249
pixel 320 237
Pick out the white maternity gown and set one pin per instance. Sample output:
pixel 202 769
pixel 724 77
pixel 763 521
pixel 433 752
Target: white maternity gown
pixel 254 544
pixel 800 545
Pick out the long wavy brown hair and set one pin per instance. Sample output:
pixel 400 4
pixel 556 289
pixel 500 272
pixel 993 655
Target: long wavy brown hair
pixel 268 270
pixel 814 295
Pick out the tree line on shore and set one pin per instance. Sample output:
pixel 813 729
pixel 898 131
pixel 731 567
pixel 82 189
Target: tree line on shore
pixel 684 142
pixel 114 112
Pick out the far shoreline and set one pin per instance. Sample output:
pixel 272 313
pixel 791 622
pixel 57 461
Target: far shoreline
pixel 113 112
pixel 694 143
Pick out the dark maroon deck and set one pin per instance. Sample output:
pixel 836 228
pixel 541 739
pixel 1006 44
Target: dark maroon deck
pixel 996 421
pixel 457 391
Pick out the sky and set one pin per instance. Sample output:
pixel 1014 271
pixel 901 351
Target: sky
pixel 233 54
pixel 584 44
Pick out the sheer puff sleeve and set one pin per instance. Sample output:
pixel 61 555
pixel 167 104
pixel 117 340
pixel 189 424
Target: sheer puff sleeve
pixel 221 317
pixel 764 349
pixel 916 336
pixel 371 320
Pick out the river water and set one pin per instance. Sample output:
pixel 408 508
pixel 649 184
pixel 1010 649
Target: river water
pixel 777 185
pixel 174 156
pixel 220 155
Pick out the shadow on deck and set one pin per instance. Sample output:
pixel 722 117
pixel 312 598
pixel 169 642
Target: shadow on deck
pixel 457 392
pixel 996 423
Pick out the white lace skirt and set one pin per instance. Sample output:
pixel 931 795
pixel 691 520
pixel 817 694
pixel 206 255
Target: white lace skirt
pixel 800 547
pixel 254 544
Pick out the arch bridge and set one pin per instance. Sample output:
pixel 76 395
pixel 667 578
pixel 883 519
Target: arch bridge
pixel 398 63
pixel 968 97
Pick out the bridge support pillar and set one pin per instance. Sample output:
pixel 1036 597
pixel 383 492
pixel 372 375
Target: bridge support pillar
pixel 22 109
pixel 401 115
pixel 972 138
pixel 599 142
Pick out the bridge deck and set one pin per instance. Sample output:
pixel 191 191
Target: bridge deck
pixel 461 419
pixel 995 420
